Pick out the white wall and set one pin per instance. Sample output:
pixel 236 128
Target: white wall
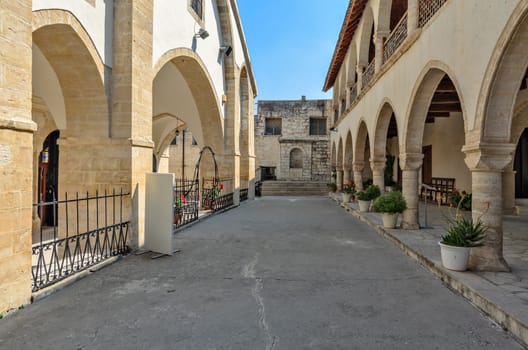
pixel 174 27
pixel 446 135
pixel 46 86
pixel 96 20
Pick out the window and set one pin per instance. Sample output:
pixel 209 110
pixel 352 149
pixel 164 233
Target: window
pixel 194 143
pixel 336 116
pixel 174 141
pixel 273 126
pixel 317 126
pixel 343 106
pixel 197 7
pixel 296 159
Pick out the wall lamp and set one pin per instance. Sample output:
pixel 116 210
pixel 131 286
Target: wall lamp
pixel 333 129
pixel 202 33
pixel 226 49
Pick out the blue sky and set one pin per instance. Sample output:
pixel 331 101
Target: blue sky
pixel 291 43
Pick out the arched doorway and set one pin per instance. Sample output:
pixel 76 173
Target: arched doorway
pixel 48 177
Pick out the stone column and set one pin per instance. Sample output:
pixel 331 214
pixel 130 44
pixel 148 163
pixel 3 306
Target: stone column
pixel 358 175
pixel 163 162
pixel 410 164
pixel 486 162
pixel 132 102
pixel 378 173
pixel 359 71
pixel 379 42
pixel 346 175
pixel 16 154
pixel 339 178
pixel 413 14
pixel 508 190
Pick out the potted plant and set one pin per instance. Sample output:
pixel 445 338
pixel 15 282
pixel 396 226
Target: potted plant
pixel 210 193
pixel 348 191
pixel 367 196
pixel 390 205
pixel 462 234
pixel 332 187
pixel 179 203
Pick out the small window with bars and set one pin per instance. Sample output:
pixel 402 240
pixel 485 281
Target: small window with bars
pixel 273 126
pixel 197 6
pixel 317 126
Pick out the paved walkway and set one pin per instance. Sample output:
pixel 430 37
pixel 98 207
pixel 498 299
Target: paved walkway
pixel 275 273
pixel 504 296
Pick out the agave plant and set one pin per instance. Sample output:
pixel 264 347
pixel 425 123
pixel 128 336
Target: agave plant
pixel 463 232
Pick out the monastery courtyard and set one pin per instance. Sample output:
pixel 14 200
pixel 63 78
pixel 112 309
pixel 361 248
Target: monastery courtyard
pixel 274 273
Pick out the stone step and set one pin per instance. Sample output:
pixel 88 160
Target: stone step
pixel 293 188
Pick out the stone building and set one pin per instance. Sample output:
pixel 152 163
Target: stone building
pixel 441 85
pixel 291 139
pixel 92 92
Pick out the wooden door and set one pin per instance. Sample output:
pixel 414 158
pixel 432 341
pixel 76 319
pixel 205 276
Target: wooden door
pixel 427 166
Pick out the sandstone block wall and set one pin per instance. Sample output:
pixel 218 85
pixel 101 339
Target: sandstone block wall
pixel 275 150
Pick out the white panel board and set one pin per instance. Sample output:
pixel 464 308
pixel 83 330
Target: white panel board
pixel 159 215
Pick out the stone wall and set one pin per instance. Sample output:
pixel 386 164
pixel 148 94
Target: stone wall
pixel 275 150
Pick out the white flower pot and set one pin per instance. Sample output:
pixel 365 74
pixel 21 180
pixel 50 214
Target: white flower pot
pixel 346 197
pixel 454 258
pixel 389 219
pixel 364 206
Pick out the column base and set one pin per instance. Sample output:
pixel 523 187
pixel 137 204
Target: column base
pixel 410 226
pixel 485 259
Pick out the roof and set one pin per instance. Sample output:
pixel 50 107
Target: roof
pixel 350 24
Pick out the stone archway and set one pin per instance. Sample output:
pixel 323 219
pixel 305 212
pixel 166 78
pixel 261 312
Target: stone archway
pixel 436 114
pixel 182 86
pixel 362 170
pixel 348 158
pixel 339 164
pixel 79 110
pixel 489 148
pixel 386 146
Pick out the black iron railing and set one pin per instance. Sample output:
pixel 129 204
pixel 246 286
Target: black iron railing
pixel 223 202
pixel 243 194
pixel 186 202
pixel 91 230
pixel 258 188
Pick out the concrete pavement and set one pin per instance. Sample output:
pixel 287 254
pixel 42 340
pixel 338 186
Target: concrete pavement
pixel 501 295
pixel 275 273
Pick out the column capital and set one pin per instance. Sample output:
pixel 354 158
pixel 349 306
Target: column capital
pixel 488 156
pixel 358 166
pixel 411 161
pixel 379 36
pixel 377 163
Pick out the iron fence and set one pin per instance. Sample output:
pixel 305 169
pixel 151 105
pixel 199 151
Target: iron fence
pixel 395 39
pixel 353 92
pixel 186 201
pixel 223 202
pixel 243 194
pixel 368 74
pixel 99 232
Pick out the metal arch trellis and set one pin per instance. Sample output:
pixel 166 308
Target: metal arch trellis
pixel 196 175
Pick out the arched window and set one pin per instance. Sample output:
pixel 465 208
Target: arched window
pixel 296 159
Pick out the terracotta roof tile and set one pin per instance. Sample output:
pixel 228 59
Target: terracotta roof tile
pixel 350 24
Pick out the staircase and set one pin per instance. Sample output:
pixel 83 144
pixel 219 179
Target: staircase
pixel 294 188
